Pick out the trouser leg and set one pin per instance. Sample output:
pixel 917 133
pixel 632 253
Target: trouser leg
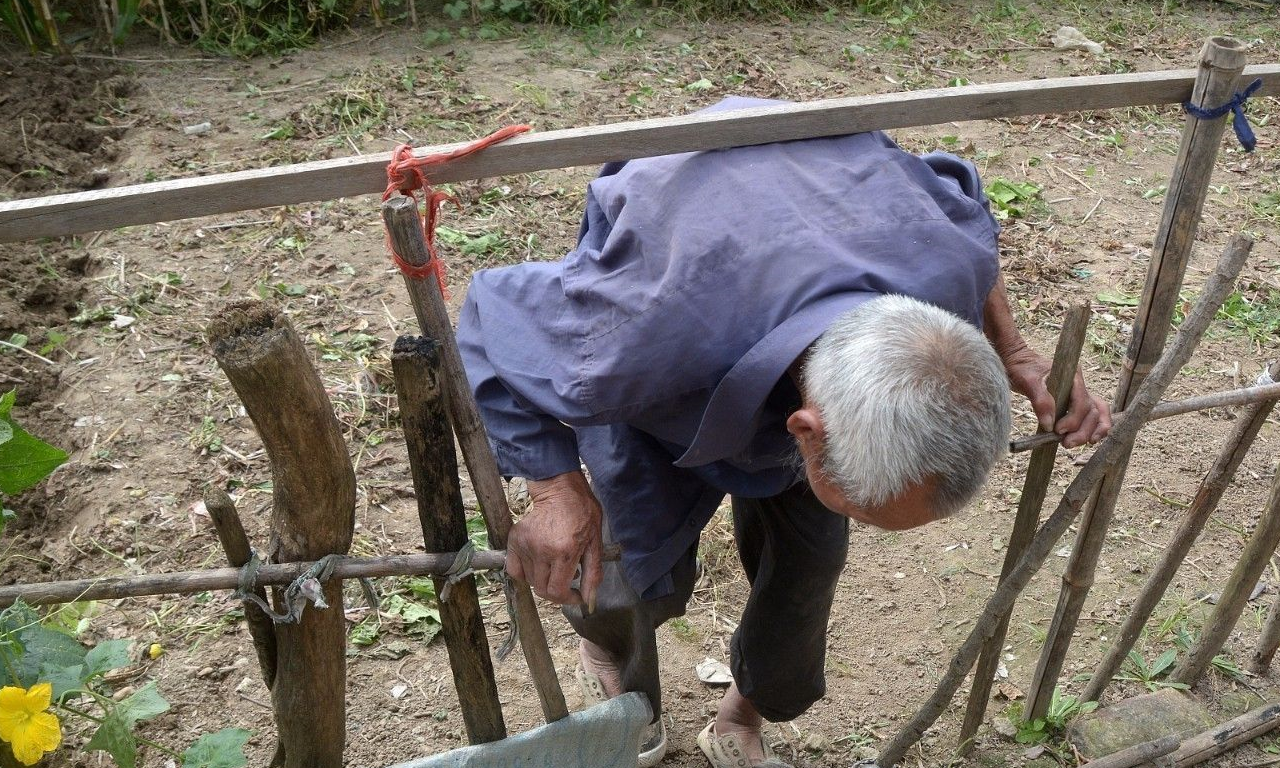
pixel 793 550
pixel 623 624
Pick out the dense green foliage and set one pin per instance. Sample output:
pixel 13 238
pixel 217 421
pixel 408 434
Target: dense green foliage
pixel 249 27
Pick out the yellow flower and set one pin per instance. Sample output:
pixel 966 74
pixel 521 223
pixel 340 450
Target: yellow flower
pixel 155 651
pixel 24 723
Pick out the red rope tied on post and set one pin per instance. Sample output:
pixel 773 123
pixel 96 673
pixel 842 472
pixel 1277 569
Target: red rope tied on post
pixel 405 175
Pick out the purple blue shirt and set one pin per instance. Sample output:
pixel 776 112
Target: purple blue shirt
pixel 656 352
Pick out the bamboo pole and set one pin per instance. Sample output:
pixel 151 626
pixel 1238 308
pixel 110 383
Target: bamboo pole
pixel 1193 521
pixel 269 574
pixel 1219 285
pixel 415 362
pixel 1137 754
pixel 1235 594
pixel 313 515
pixel 404 226
pixel 226 522
pixel 1269 642
pixel 1221 61
pixel 1227 736
pixel 1066 358
pixel 1233 397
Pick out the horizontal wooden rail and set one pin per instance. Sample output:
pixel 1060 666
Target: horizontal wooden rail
pixel 331 179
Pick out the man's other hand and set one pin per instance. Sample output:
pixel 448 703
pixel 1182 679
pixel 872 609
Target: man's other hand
pixel 1088 418
pixel 561 532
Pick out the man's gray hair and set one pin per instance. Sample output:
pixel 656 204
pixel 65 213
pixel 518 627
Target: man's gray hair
pixel 908 392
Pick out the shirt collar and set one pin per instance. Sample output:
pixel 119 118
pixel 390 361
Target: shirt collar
pixel 728 421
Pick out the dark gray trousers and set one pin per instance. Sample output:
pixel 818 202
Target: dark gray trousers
pixel 793 550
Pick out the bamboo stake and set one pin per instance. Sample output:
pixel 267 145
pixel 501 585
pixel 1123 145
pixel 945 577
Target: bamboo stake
pixel 401 217
pixel 222 511
pixel 313 515
pixel 1034 488
pixel 1137 754
pixel 1269 642
pixel 1235 594
pixel 1221 61
pixel 1244 396
pixel 415 363
pixel 1193 521
pixel 1219 285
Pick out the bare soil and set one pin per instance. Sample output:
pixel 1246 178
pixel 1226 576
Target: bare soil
pixel 135 397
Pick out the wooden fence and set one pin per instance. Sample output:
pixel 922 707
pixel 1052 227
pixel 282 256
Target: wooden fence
pixel 1220 74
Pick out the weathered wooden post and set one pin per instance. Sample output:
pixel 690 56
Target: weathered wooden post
pixel 404 226
pixel 1073 500
pixel 416 363
pixel 1221 61
pixel 1193 521
pixel 1066 358
pixel 313 515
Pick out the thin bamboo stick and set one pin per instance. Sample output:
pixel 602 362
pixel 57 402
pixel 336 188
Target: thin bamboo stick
pixel 1269 642
pixel 269 575
pixel 1216 290
pixel 226 521
pixel 401 217
pixel 1221 62
pixel 1235 594
pixel 1244 396
pixel 1193 521
pixel 1035 486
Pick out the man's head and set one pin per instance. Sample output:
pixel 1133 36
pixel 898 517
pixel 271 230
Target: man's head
pixel 906 408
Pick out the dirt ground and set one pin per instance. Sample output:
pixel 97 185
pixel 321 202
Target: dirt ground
pixel 130 389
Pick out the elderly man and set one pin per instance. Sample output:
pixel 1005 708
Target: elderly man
pixel 795 325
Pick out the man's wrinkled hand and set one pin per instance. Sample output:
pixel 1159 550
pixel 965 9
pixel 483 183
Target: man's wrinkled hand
pixel 1088 417
pixel 561 532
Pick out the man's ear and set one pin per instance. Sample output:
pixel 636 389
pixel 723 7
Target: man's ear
pixel 807 428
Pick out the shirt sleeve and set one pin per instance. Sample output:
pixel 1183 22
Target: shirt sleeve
pixel 518 370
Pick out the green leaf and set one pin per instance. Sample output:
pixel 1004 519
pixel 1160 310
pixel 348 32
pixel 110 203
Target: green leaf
pixel 6 432
pixel 702 84
pixel 61 678
pixel 108 655
pixel 143 705
pixel 44 651
pixel 223 749
pixel 115 735
pixel 24 460
pixel 1163 662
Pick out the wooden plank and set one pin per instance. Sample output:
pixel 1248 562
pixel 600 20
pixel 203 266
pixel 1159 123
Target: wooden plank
pixel 343 177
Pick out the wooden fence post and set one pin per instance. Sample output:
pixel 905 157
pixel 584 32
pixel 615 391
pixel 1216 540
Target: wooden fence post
pixel 1066 358
pixel 1193 521
pixel 226 522
pixel 313 515
pixel 415 362
pixel 404 226
pixel 1221 61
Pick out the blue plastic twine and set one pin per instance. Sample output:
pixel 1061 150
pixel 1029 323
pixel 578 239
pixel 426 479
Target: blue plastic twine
pixel 1244 132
